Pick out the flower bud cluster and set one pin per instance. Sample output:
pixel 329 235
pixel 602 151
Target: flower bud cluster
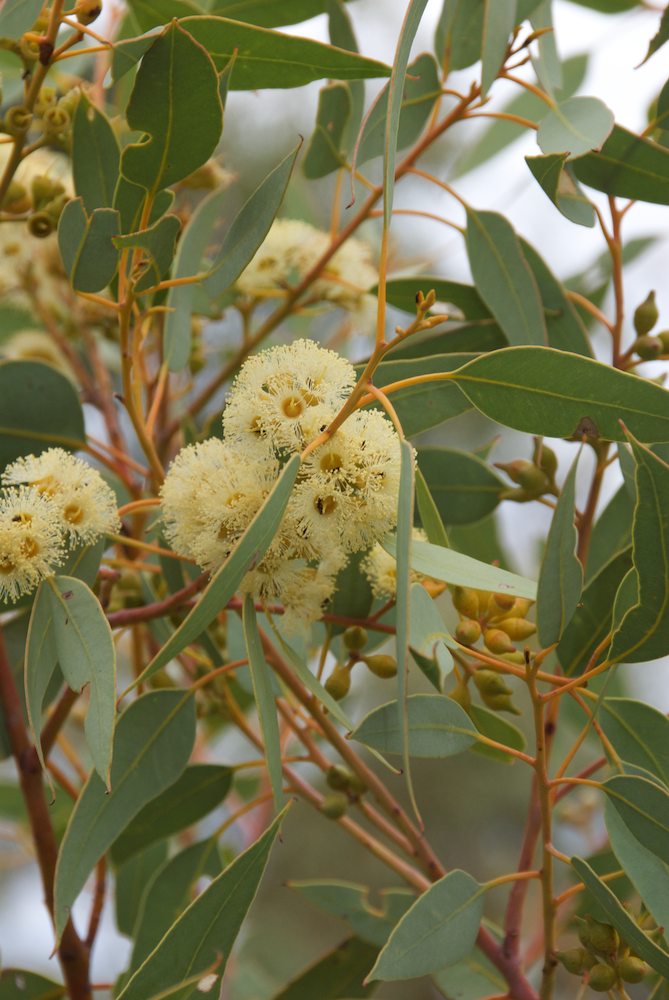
pixel 605 960
pixel 49 500
pixel 649 346
pixel 533 478
pixel 345 497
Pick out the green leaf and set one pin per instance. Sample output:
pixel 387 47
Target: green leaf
pixel 18 16
pixel 659 38
pixel 499 18
pixel 338 974
pixel 268 13
pixel 351 902
pixel 437 727
pixel 628 929
pixel 558 182
pixel 612 531
pixel 95 156
pixel 149 13
pixel 249 549
pixel 40 663
pixel 426 405
pixel 464 488
pixel 575 126
pixel 353 596
pixel 428 637
pixel 206 930
pixel 459 33
pixel 472 978
pixel 398 76
pixel 249 228
pixel 342 36
pixel 648 874
pixel 129 201
pixel 188 261
pixel 461 570
pixel 183 122
pixel 312 684
pixel 643 633
pixel 196 793
pixel 565 330
pixel 644 808
pixel 402 553
pixel 503 278
pixel 153 741
pixel 547 64
pixel 421 90
pixel 19 984
pixel 561 575
pixel 544 391
pixel 627 166
pixel 85 242
pixel 261 676
pixel 430 519
pixel 131 881
pixel 87 656
pixel 492 725
pixel 439 929
pixel 265 59
pixel 169 893
pixel 325 151
pixel 593 618
pixel 159 246
pixel 479 336
pixel 639 734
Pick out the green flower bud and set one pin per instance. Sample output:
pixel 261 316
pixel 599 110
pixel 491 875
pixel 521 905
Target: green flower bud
pixel 355 638
pixel 56 120
pixel 632 969
pixel 517 629
pixel 646 315
pixel 515 657
pixel 334 805
pixel 663 337
pixel 69 101
pixel 601 978
pixel 489 682
pixel 603 937
pixel 17 200
pixel 54 208
pixel 460 693
pixel 341 779
pixel 466 601
pixel 468 631
pixel 41 225
pixel 497 641
pixel 574 960
pixel 500 604
pixel 648 348
pixel 18 120
pixel 526 474
pixel 545 458
pixel 44 189
pixel 500 703
pixel 381 665
pixel 87 11
pixel 338 683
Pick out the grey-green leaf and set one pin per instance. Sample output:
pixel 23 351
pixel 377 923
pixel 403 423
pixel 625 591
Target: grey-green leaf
pixel 39 408
pixel 439 929
pixel 261 677
pixel 153 741
pixel 40 662
pixel 336 975
pixel 628 166
pixel 464 488
pixel 648 874
pixel 499 18
pixel 18 16
pixel 95 156
pixel 89 255
pixel 644 808
pixel 158 244
pixel 575 126
pixel 426 405
pixel 639 734
pixel 351 902
pixel 558 182
pixel 561 575
pixel 325 151
pixel 19 984
pixel 437 726
pixel 566 331
pixel 428 637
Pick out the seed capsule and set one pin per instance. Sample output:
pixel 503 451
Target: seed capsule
pixel 500 703
pixel 648 348
pixel 603 937
pixel 574 960
pixel 338 683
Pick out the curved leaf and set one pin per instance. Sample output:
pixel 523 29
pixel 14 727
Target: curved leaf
pixel 565 330
pixel 261 677
pixel 558 183
pixel 464 488
pixel 628 166
pixel 437 727
pixel 19 984
pixel 324 152
pixel 95 156
pixel 639 734
pixel 648 874
pixel 644 808
pixel 338 974
pixel 499 18
pixel 85 242
pixel 422 406
pixel 561 575
pixel 575 126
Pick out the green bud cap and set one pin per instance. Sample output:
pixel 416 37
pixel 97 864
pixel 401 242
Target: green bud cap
pixel 500 703
pixel 338 683
pixel 41 225
pixel 517 629
pixel 339 777
pixel 648 348
pixel 466 601
pixel 355 638
pixel 468 631
pixel 574 960
pixel 545 458
pixel 18 120
pixel 663 337
pixel 381 665
pixel 632 970
pixel 44 189
pixel 490 682
pixel 601 978
pixel 497 641
pixel 646 315
pixel 334 805
pixel 603 937
pixel 54 208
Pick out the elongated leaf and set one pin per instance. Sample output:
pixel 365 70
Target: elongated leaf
pixel 420 407
pixel 158 244
pixel 87 656
pixel 575 126
pixel 18 16
pixel 402 553
pixel 561 575
pixel 249 549
pixel 89 256
pixel 40 663
pixel 439 929
pixel 643 633
pixel 461 570
pixel 206 930
pixel 19 984
pixel 639 733
pixel 198 791
pixel 249 228
pixel 131 881
pixel 325 153
pixel 478 336
pixel 565 329
pixel 557 181
pixel 648 874
pixel 351 902
pixel 353 596
pixel 268 13
pixel 428 637
pixel 184 122
pixel 153 741
pixel 547 64
pixel 612 531
pixel 499 19
pixel 464 488
pixel 169 893
pixel 342 36
pixel 264 697
pixel 593 618
pixel 459 33
pixel 503 278
pixel 492 725
pixel 312 684
pixel 644 808
pixel 628 166
pixel 430 519
pixel 543 391
pixel 401 292
pixel 437 727
pixel 659 38
pixel 472 978
pixel 340 973
pixel 628 929
pixel 264 58
pixel 95 156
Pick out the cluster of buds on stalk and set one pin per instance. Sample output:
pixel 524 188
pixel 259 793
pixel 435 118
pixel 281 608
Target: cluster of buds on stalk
pixel 381 665
pixel 345 789
pixel 533 478
pixel 649 346
pixel 603 959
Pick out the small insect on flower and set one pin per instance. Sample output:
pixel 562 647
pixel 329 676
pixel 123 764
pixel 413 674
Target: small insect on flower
pixel 86 504
pixel 31 540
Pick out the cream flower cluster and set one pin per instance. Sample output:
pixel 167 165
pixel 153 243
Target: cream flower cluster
pixel 345 498
pixel 290 250
pixel 51 499
pixel 380 568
